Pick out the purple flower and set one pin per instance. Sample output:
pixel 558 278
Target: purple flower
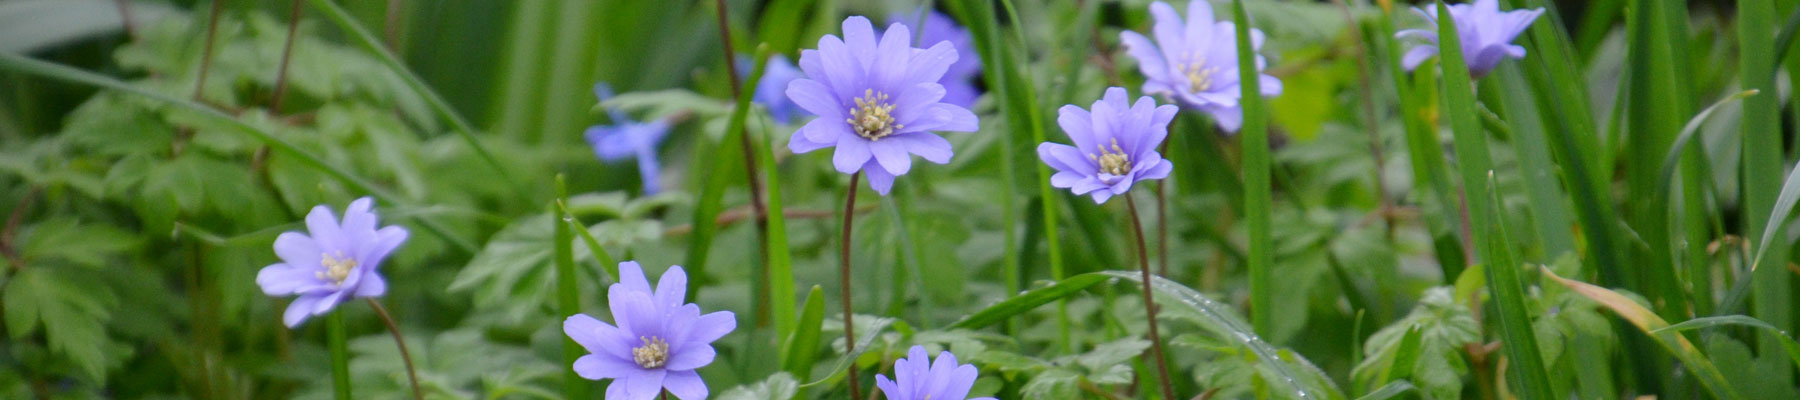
pixel 627 138
pixel 659 340
pixel 1195 63
pixel 334 261
pixel 776 75
pixel 1485 33
pixel 1115 145
pixel 877 102
pixel 918 378
pixel 959 80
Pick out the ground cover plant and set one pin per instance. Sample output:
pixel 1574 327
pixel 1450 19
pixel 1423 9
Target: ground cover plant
pixel 956 199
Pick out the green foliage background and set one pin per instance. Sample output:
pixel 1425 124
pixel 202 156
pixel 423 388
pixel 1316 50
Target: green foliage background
pixel 1642 147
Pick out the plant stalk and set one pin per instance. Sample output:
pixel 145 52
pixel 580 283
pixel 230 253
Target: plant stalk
pixel 844 280
pixel 340 355
pixel 412 376
pixel 1156 348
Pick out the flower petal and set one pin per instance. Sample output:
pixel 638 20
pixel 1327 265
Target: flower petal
pixel 816 98
pixel 891 155
pixel 323 227
pixel 823 130
pixel 1168 28
pixel 690 358
pixel 710 327
pixel 859 36
pixel 671 290
pixel 1418 55
pixel 282 279
pixel 597 367
pixel 891 57
pixel 371 285
pixel 1149 57
pixel 852 152
pixel 685 385
pixel 631 278
pixel 645 383
pixel 933 148
pixel 929 65
pixel 879 179
pixel 1078 123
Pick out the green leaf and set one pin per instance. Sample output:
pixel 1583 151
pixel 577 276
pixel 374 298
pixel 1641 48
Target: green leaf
pixel 1053 384
pixel 1787 342
pixel 1389 391
pixel 1258 199
pixel 1027 301
pixel 799 349
pixel 777 386
pixel 513 271
pixel 72 312
pixel 1112 353
pixel 68 240
pixel 1652 325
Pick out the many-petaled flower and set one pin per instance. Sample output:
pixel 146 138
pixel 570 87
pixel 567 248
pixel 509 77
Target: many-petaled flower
pixel 777 72
pixel 917 377
pixel 878 101
pixel 659 340
pixel 1484 31
pixel 334 261
pixel 1195 63
pixel 1115 145
pixel 959 80
pixel 628 138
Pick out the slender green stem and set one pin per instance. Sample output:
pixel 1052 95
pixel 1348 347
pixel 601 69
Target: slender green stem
pixel 1257 196
pixel 1156 347
pixel 844 280
pixel 412 376
pixel 340 354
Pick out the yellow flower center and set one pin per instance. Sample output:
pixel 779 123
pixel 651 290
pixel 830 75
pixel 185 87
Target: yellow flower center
pixel 1199 75
pixel 1112 162
pixel 654 353
pixel 873 118
pixel 336 268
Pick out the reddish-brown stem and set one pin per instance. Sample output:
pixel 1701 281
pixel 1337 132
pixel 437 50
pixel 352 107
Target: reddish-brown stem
pixel 287 53
pixel 391 25
pixel 844 280
pixel 405 356
pixel 12 229
pixel 125 18
pixel 750 171
pixel 1156 348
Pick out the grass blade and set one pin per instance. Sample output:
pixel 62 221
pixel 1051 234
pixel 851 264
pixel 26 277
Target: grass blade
pixel 1771 294
pixel 567 299
pixel 1024 302
pixel 1549 209
pixel 374 45
pixel 1516 333
pixel 335 339
pixel 1652 325
pixel 1388 391
pixel 1787 342
pixel 1257 197
pixel 799 349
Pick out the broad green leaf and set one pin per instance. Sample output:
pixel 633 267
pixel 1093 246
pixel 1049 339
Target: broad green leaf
pixel 777 386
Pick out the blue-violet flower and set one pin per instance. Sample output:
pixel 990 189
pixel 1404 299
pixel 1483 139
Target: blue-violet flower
pixel 335 260
pixel 659 340
pixel 917 377
pixel 1195 63
pixel 1484 31
pixel 959 80
pixel 776 75
pixel 627 138
pixel 1115 145
pixel 877 102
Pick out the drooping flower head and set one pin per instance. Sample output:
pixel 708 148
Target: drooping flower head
pixel 628 138
pixel 917 377
pixel 959 80
pixel 1484 31
pixel 776 75
pixel 659 340
pixel 1115 145
pixel 334 261
pixel 878 101
pixel 1195 63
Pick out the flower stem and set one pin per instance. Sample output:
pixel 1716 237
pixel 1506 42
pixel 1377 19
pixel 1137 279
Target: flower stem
pixel 340 356
pixel 751 175
pixel 411 376
pixel 844 280
pixel 1156 348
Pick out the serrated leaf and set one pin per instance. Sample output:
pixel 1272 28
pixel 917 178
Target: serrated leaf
pixel 513 270
pixel 777 386
pixel 1112 353
pixel 68 240
pixel 72 314
pixel 1053 384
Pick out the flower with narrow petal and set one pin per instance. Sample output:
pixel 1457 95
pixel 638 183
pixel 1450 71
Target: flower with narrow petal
pixel 1115 145
pixel 878 101
pixel 959 80
pixel 1195 62
pixel 776 75
pixel 659 340
pixel 334 261
pixel 628 138
pixel 1484 31
pixel 917 377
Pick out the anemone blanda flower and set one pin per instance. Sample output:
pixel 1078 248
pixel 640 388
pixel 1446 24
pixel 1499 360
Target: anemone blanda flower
pixel 776 75
pixel 1195 63
pixel 627 138
pixel 959 80
pixel 917 377
pixel 878 101
pixel 659 340
pixel 1484 31
pixel 332 262
pixel 1115 145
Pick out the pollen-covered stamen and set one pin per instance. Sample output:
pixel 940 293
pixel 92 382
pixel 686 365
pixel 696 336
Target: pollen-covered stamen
pixel 653 354
pixel 1112 162
pixel 1199 76
pixel 873 117
pixel 336 268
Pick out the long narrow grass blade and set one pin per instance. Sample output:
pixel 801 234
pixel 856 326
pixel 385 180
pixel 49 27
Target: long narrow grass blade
pixel 724 156
pixel 1257 197
pixel 800 349
pixel 1027 301
pixel 1519 339
pixel 374 45
pixel 1787 342
pixel 568 300
pixel 1771 292
pixel 1549 209
pixel 1784 205
pixel 1294 376
pixel 1388 391
pixel 1666 174
pixel 1647 322
pixel 27 65
pixel 781 265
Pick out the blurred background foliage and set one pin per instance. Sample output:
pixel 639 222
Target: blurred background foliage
pixel 135 226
